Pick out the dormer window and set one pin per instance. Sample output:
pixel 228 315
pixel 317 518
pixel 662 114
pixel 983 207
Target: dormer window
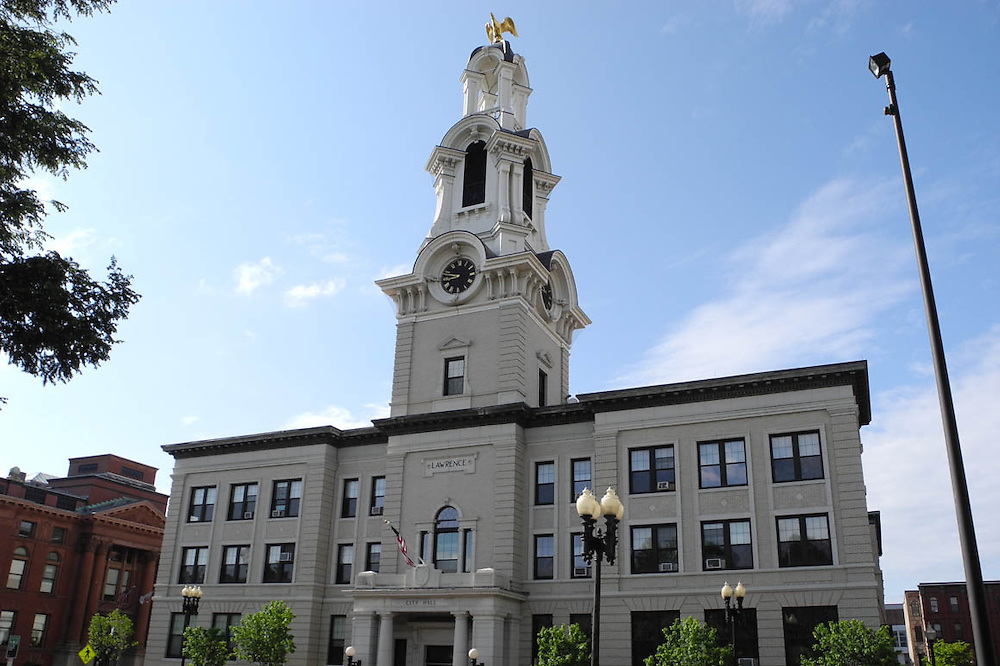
pixel 474 191
pixel 528 189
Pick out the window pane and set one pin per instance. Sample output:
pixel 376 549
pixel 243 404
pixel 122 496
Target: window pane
pixel 809 444
pixel 735 452
pixel 781 447
pixel 739 532
pixel 640 460
pixel 642 538
pixel 709 454
pixel 817 528
pixel 788 529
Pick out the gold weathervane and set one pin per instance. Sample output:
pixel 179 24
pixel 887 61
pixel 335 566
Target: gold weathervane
pixel 495 29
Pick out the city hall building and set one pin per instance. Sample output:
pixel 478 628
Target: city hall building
pixel 755 478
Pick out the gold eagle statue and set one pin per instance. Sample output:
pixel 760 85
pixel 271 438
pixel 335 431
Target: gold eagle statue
pixel 495 29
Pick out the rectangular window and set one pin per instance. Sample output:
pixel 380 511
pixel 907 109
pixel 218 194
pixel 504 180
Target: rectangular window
pixel 349 505
pixel 454 376
pixel 27 529
pixel 373 555
pixel 235 563
pixel 654 549
pixel 202 505
pixel 799 623
pixel 242 501
pixel 746 631
pixel 112 578
pixel 545 483
pixel 544 556
pixel 726 544
pixel 7 619
pixel 280 562
pixel 804 541
pixel 581 476
pixel 48 584
pixel 16 573
pixel 953 604
pixel 193 563
pixel 132 473
pixel 225 622
pixel 66 503
pixel 796 456
pixel 584 621
pixel 934 605
pixel 338 640
pixel 538 622
pixel 377 505
pixel 36 495
pixel 86 468
pixel 578 567
pixel 647 632
pixel 175 635
pixel 543 388
pixel 722 463
pixel 470 549
pixel 285 498
pixel 425 545
pixel 345 561
pixel 38 629
pixel 58 534
pixel 651 469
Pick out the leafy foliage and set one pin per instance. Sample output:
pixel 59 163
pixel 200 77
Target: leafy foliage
pixel 563 646
pixel 690 642
pixel 263 637
pixel 851 643
pixel 958 653
pixel 205 647
pixel 54 318
pixel 110 636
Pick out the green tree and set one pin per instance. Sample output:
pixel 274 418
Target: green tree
pixel 54 318
pixel 205 647
pixel 563 646
pixel 851 643
pixel 110 636
pixel 690 642
pixel 263 637
pixel 958 653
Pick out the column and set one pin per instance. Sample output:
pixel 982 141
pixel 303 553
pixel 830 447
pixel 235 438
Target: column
pixel 487 637
pixel 84 574
pixel 513 638
pixel 459 656
pixel 385 635
pixel 144 586
pixel 362 636
pixel 99 570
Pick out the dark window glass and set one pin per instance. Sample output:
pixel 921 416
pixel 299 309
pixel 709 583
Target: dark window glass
pixel 87 468
pixel 132 473
pixel 345 562
pixel 454 376
pixel 647 632
pixel 934 605
pixel 58 534
pixel 796 456
pixel 581 477
pixel 578 566
pixel 528 189
pixel 544 556
pixel 349 506
pixel 235 562
pixel 338 637
pixel 726 544
pixel 799 623
pixel 953 604
pixel 202 505
pixel 804 541
pixel 193 562
pixel 285 498
pixel 175 635
pixel 36 495
pixel 722 463
pixel 280 563
pixel 584 621
pixel 242 501
pixel 65 503
pixel 470 549
pixel 545 483
pixel 377 505
pixel 446 540
pixel 654 549
pixel 538 622
pixel 225 622
pixel 372 557
pixel 543 388
pixel 651 469
pixel 474 186
pixel 746 630
pixel 26 529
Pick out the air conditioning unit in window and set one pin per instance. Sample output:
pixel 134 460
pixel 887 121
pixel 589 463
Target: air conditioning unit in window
pixel 581 572
pixel 285 557
pixel 247 515
pixel 667 566
pixel 278 513
pixel 376 511
pixel 746 661
pixel 664 485
pixel 715 563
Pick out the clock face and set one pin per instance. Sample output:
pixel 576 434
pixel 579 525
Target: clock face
pixel 458 275
pixel 547 296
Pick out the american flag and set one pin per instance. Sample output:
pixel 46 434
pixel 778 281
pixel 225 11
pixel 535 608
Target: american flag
pixel 401 541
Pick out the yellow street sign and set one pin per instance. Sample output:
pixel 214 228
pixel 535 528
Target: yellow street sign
pixel 87 654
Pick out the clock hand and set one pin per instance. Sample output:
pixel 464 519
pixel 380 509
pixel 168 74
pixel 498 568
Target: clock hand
pixel 449 276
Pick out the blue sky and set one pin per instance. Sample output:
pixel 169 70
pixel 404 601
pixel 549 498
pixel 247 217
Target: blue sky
pixel 731 202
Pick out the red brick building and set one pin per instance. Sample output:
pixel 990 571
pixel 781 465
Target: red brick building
pixel 945 606
pixel 75 546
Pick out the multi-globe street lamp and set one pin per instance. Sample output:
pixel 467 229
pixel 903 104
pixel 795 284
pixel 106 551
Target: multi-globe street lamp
pixel 733 612
pixel 598 546
pixel 879 65
pixel 192 597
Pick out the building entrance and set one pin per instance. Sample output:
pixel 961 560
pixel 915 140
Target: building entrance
pixel 437 655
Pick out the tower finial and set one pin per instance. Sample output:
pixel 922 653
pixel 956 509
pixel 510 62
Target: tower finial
pixel 495 29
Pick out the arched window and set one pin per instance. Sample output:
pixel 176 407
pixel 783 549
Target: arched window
pixel 446 540
pixel 18 565
pixel 474 191
pixel 528 190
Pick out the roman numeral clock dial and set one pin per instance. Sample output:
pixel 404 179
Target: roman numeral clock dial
pixel 458 275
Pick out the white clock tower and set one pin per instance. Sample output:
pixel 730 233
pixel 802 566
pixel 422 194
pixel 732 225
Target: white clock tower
pixel 488 313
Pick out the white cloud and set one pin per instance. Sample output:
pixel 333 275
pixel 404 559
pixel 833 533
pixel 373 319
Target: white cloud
pixel 338 417
pixel 300 295
pixel 811 292
pixel 69 244
pixel 188 420
pixel 906 471
pixel 766 10
pixel 250 276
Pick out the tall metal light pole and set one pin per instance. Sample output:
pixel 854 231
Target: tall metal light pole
pixel 597 546
pixel 879 66
pixel 733 612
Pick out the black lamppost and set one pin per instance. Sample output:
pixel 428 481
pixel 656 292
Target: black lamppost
pixel 931 635
pixel 597 546
pixel 350 652
pixel 879 66
pixel 733 612
pixel 192 597
pixel 474 655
